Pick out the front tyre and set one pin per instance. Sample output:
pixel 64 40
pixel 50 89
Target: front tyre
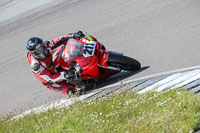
pixel 123 62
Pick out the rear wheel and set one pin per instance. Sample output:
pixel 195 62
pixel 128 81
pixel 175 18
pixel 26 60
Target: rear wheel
pixel 123 62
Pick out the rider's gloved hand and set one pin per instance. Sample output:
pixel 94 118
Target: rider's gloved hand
pixel 78 35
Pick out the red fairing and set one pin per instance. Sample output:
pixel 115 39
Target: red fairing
pixel 93 60
pixel 104 58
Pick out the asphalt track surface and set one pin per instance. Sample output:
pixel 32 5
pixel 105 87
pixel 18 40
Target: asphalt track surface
pixel 162 34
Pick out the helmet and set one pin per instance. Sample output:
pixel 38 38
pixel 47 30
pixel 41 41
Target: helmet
pixel 36 47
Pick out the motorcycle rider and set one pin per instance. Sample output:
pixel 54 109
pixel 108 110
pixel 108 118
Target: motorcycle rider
pixel 44 64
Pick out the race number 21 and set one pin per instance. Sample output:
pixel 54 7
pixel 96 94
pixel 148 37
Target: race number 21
pixel 89 49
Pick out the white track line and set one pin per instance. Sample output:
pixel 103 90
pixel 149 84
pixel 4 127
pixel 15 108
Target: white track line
pixel 58 103
pixel 160 83
pixel 187 81
pixel 152 76
pixel 178 80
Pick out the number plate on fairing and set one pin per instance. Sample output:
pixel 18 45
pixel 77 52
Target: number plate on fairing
pixel 89 48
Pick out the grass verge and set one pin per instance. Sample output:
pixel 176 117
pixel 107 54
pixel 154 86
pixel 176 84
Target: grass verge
pixel 177 110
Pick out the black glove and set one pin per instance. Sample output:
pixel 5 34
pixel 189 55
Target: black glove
pixel 78 35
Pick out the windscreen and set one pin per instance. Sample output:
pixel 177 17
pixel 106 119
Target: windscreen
pixel 73 49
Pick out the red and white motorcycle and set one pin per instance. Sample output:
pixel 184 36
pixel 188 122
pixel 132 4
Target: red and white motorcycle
pixel 91 61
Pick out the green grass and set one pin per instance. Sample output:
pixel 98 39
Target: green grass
pixel 175 111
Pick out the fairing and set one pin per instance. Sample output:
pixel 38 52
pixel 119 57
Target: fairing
pixel 88 53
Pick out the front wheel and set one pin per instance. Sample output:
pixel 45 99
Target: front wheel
pixel 123 62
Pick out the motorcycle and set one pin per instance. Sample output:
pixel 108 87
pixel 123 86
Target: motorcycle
pixel 90 61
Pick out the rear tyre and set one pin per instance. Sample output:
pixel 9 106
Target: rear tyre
pixel 123 62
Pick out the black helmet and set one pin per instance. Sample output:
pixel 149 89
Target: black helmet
pixel 36 47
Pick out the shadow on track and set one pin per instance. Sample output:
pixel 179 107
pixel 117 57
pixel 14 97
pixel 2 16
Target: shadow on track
pixel 113 79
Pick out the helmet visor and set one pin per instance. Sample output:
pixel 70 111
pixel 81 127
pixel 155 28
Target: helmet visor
pixel 40 52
